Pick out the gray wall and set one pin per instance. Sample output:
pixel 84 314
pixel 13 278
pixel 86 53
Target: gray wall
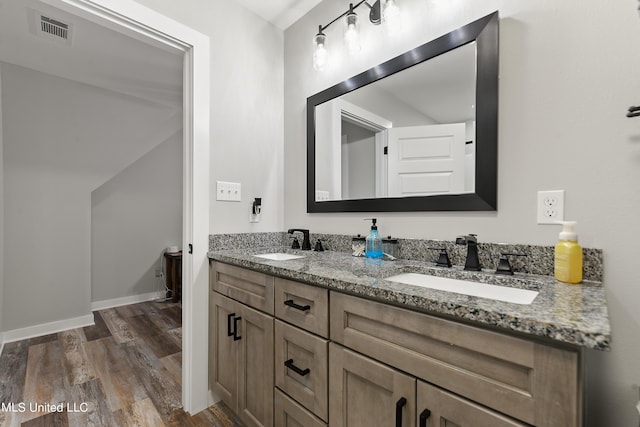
pixel 568 72
pixel 246 108
pixel 1 217
pixel 134 217
pixel 62 140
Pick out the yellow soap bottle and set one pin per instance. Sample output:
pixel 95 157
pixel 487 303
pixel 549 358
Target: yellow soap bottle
pixel 568 255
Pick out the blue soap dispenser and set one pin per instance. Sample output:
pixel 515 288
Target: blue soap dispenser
pixel 373 247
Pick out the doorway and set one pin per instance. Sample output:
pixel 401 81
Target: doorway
pixel 153 28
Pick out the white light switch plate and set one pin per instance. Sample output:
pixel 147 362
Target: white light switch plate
pixel 228 191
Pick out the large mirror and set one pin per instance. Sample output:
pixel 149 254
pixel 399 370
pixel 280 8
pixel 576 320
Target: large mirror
pixel 416 133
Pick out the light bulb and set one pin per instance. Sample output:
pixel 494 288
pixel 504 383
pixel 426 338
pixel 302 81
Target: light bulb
pixel 391 16
pixel 320 54
pixel 351 34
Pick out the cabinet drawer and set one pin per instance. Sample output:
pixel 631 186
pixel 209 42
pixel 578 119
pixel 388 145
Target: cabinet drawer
pixel 247 286
pixel 301 366
pixel 535 383
pixel 303 305
pixel 289 413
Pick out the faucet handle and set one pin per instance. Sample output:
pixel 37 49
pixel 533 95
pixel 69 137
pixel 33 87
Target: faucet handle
pixel 463 240
pixel 295 244
pixel 443 258
pixel 504 267
pixel 319 247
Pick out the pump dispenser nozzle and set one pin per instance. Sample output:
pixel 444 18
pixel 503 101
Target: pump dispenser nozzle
pixel 568 231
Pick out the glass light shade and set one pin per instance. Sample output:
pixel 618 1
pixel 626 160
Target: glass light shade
pixel 391 15
pixel 320 54
pixel 351 34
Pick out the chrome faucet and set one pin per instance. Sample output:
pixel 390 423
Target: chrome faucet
pixel 306 243
pixel 473 262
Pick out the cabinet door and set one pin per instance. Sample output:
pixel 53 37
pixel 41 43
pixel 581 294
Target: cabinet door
pixel 223 351
pixel 366 393
pixel 437 407
pixel 255 368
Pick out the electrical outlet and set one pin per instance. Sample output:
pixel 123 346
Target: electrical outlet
pixel 550 206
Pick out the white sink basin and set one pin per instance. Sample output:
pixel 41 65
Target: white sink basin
pixel 278 256
pixel 483 290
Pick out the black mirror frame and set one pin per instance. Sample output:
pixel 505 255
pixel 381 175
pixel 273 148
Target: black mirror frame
pixel 485 32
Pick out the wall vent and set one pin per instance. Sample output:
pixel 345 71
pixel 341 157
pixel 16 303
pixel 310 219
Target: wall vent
pixel 53 27
pixel 50 28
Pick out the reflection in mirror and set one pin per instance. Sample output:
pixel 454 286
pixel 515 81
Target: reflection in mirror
pixel 410 134
pixel 415 133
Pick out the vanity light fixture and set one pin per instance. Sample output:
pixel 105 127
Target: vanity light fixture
pixel 377 13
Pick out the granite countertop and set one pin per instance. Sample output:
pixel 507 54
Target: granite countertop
pixel 570 314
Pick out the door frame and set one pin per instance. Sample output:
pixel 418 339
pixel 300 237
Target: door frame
pixel 151 27
pixel 342 109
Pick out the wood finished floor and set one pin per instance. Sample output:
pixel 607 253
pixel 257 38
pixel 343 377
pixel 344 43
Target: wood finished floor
pixel 124 371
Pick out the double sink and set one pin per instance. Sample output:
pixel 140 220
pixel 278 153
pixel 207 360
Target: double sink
pixel 464 287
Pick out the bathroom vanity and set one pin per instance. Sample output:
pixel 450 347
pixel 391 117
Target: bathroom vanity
pixel 326 340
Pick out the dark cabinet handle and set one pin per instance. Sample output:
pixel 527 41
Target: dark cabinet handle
pixel 292 304
pixel 424 416
pixel 302 372
pixel 229 330
pixel 399 405
pixel 236 337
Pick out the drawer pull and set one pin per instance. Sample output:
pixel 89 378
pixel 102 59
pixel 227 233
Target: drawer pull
pixel 292 304
pixel 229 330
pixel 399 405
pixel 236 337
pixel 424 416
pixel 302 372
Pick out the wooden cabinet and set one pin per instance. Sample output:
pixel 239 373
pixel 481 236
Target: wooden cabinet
pixel 333 359
pixel 301 348
pixel 535 383
pixel 367 393
pixel 241 359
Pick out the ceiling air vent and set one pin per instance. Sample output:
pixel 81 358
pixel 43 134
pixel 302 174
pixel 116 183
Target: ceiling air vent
pixel 50 28
pixel 53 27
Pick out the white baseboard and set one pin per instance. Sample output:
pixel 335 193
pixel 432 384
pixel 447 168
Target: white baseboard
pixel 48 328
pixel 117 302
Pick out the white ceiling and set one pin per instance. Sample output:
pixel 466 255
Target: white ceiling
pixel 281 13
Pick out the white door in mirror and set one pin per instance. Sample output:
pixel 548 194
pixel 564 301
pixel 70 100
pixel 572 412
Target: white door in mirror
pixel 426 160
